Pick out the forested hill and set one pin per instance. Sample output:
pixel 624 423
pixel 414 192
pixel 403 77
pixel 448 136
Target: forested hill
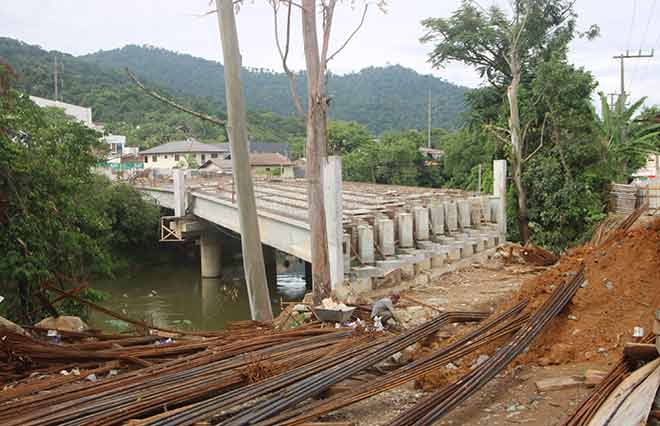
pixel 383 98
pixel 125 109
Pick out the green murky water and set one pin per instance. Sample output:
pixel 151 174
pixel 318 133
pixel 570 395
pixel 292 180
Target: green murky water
pixel 175 296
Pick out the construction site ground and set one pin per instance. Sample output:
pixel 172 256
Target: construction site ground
pixel 512 397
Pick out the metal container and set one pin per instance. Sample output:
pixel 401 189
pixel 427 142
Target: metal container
pixel 331 315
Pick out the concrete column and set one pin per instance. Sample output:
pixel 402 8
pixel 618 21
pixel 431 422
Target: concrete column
pixel 451 216
pixel 270 262
pixel 332 193
pixel 180 196
pixel 385 232
pixel 421 215
pixel 499 190
pixel 437 213
pixel 464 213
pixel 475 211
pixel 366 244
pixel 209 244
pixel 404 222
pixel 347 253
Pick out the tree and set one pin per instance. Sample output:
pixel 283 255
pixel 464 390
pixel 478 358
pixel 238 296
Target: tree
pixel 59 220
pixel 642 138
pixel 253 259
pixel 502 48
pixel 317 57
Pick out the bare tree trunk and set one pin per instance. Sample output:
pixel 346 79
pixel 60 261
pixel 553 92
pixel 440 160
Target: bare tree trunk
pixel 253 259
pixel 316 151
pixel 517 146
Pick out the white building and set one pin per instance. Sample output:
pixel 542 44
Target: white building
pixel 182 153
pixel 116 143
pixel 80 113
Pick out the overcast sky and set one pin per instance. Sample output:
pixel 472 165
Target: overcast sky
pixel 85 26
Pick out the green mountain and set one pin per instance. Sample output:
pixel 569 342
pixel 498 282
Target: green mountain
pixel 383 98
pixel 125 109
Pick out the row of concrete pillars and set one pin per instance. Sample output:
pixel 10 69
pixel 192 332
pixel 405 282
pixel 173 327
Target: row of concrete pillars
pixel 409 227
pixel 210 245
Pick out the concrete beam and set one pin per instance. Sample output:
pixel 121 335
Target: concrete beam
pixel 421 216
pixel 366 244
pixel 385 233
pixel 437 212
pixel 332 190
pixel 464 215
pixel 451 216
pixel 404 222
pixel 180 195
pixel 499 191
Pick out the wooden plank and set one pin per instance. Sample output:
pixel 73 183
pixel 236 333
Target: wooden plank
pixel 558 383
pixel 640 351
pixel 635 409
pixel 625 388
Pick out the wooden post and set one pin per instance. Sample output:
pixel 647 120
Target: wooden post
pixel 253 260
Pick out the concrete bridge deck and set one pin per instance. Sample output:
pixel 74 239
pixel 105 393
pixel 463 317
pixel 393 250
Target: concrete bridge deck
pixel 382 227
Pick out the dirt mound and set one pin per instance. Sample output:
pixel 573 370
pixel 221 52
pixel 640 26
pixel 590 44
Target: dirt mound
pixel 622 291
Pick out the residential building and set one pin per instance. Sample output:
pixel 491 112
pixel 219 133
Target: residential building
pixel 272 164
pixel 182 154
pixel 115 143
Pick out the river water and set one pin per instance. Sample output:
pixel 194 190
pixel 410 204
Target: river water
pixel 175 296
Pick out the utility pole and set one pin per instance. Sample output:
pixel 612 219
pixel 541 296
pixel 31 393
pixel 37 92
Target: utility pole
pixel 622 94
pixel 253 259
pixel 428 142
pixel 56 79
pixel 612 104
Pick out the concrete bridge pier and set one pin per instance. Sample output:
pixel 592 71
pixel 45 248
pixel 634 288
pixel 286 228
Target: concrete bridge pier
pixel 210 253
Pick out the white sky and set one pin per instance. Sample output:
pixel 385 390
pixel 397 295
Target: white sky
pixel 85 26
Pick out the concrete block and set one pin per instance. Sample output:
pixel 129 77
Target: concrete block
pixel 475 211
pixel 485 208
pixel 455 251
pixel 464 215
pixel 405 229
pixel 426 245
pixel 437 213
pixel 385 232
pixel 362 285
pixel 347 253
pixel 366 244
pixel 421 218
pixel 451 216
pixel 366 271
pixel 438 261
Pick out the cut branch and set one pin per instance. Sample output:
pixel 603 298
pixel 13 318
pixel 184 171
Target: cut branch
pixel 173 104
pixel 538 148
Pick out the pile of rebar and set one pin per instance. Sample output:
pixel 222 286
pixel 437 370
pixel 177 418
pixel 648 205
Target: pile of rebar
pixel 263 400
pixel 435 406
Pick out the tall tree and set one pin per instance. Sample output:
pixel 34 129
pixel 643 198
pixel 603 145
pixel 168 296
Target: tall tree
pixel 502 48
pixel 253 260
pixel 317 57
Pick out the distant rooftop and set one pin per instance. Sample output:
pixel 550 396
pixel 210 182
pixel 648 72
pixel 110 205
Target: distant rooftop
pixel 256 160
pixel 189 145
pixel 78 112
